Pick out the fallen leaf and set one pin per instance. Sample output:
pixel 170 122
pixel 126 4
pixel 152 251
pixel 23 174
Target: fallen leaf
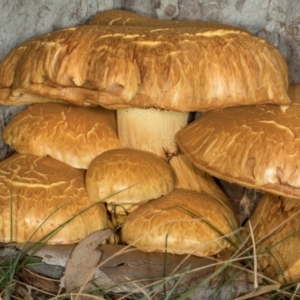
pixel 83 261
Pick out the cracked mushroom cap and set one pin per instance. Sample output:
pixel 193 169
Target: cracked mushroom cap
pixel 126 178
pixel 254 146
pixel 194 67
pixel 39 194
pixel 74 135
pixel 276 227
pixel 182 222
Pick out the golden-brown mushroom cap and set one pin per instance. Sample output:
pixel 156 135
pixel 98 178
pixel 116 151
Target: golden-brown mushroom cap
pixel 74 135
pixel 183 222
pixel 128 178
pixel 38 195
pixel 275 224
pixel 182 68
pixel 254 146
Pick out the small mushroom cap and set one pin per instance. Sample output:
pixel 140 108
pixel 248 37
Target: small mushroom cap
pixel 254 146
pixel 39 194
pixel 276 227
pixel 183 222
pixel 194 67
pixel 128 177
pixel 74 135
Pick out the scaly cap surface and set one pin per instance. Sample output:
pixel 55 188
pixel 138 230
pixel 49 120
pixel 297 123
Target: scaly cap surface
pixel 44 193
pixel 72 134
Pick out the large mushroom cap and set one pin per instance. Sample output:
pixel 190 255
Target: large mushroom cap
pixel 183 222
pixel 276 229
pixel 182 68
pixel 254 146
pixel 74 135
pixel 128 178
pixel 39 194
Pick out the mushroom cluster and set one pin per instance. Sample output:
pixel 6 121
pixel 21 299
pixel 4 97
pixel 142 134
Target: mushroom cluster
pixel 111 100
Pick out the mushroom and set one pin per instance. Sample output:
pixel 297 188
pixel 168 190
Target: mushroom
pixel 74 135
pixel 189 177
pixel 255 146
pixel 174 66
pixel 276 234
pixel 127 178
pixel 45 200
pixel 182 222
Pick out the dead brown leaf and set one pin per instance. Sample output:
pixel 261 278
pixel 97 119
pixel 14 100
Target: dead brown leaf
pixel 83 261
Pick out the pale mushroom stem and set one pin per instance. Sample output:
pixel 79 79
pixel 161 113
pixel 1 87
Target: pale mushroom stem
pixel 151 129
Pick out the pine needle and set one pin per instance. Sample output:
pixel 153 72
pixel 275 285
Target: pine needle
pixel 254 256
